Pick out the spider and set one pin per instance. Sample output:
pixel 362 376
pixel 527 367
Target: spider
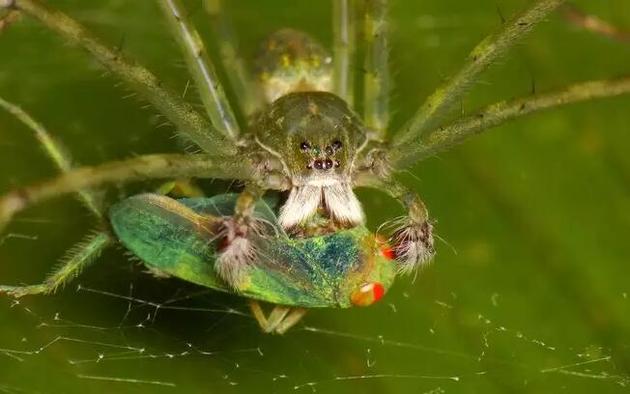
pixel 302 136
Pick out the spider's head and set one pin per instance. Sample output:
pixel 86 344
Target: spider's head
pixel 317 138
pixel 315 135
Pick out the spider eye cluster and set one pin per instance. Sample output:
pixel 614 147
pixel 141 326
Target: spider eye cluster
pixel 321 159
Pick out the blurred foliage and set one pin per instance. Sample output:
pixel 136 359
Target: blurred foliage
pixel 528 292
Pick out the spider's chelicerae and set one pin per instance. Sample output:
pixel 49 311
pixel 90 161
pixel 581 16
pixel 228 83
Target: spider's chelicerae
pixel 302 136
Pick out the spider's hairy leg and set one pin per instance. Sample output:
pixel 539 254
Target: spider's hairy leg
pixel 239 250
pixel 594 24
pixel 55 151
pixel 75 261
pixel 247 92
pixel 376 78
pixel 82 254
pixel 8 18
pixel 487 52
pixel 344 47
pixel 279 321
pixel 180 188
pixel 412 236
pixel 157 166
pixel 189 123
pixel 498 113
pixel 206 80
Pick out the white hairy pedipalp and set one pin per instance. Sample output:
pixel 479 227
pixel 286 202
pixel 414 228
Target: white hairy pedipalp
pixel 336 198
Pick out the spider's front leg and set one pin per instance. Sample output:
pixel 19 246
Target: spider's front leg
pixel 238 251
pixel 412 237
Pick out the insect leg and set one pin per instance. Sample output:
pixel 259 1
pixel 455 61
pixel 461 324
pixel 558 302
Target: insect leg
pixel 487 52
pixel 188 122
pixel 290 320
pixel 268 324
pixel 158 166
pixel 258 314
pixel 280 320
pixel 210 90
pixel 77 259
pixel 344 33
pixel 276 317
pixel 247 92
pixel 376 77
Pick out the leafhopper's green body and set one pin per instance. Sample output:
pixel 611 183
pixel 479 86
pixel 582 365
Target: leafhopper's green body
pixel 174 237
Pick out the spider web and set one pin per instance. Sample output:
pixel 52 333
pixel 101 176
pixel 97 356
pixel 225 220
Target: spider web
pixel 197 339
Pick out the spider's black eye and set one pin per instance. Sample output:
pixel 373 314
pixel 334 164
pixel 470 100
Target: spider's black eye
pixel 304 146
pixel 329 150
pixel 336 145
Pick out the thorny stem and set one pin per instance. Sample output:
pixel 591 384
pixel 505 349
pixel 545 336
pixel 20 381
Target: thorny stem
pixel 246 90
pixel 154 166
pixel 206 80
pixel 344 46
pixel 187 121
pixel 482 56
pixel 496 114
pixel 54 150
pixel 376 77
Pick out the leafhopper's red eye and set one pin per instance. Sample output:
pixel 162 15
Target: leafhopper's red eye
pixel 367 294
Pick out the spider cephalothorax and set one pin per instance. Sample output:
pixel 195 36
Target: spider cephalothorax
pixel 317 138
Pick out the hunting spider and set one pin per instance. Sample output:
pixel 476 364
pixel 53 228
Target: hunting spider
pixel 302 136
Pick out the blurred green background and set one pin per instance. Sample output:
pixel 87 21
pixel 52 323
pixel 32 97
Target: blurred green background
pixel 528 292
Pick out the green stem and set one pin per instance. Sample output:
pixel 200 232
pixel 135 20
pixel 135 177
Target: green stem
pixel 206 80
pixel 496 114
pixel 188 122
pixel 487 52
